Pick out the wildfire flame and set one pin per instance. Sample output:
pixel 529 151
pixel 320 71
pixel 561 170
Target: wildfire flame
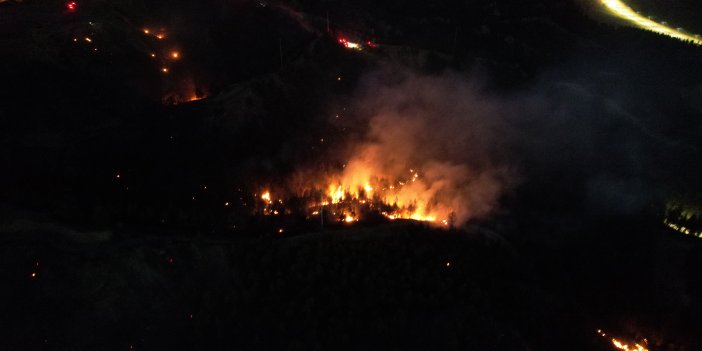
pixel 349 44
pixel 622 345
pixel 360 188
pixel 186 90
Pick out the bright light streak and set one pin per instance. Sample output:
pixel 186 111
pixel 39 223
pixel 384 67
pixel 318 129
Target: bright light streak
pixel 621 10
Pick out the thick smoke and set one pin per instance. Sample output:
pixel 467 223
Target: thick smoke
pixel 459 149
pixel 441 128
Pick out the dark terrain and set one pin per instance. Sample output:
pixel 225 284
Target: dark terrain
pixel 113 233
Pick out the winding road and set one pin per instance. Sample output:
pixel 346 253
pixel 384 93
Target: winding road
pixel 621 10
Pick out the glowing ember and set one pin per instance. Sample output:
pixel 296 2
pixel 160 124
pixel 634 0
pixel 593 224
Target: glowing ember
pixel 266 197
pixel 71 6
pixel 349 44
pixel 621 10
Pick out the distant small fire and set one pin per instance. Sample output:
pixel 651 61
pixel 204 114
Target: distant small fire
pixel 356 45
pixel 183 91
pixel 620 344
pixel 183 95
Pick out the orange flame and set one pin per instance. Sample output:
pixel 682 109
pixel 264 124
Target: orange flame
pixel 622 345
pixel 185 91
pixel 402 197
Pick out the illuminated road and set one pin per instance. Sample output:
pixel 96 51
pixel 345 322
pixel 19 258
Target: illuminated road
pixel 623 11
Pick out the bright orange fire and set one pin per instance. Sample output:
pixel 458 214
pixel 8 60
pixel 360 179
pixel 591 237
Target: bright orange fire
pixel 623 345
pixel 408 196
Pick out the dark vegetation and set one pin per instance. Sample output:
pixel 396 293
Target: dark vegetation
pixel 677 13
pixel 548 270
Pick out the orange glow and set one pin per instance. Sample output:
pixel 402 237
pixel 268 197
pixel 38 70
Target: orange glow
pixel 164 69
pixel 146 31
pixel 349 44
pixel 160 36
pixel 175 55
pixel 404 197
pixel 623 345
pixel 360 189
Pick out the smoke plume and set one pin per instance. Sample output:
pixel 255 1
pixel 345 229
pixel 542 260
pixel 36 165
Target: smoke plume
pixel 432 143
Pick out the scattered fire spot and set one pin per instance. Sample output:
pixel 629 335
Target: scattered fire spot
pixel 620 344
pixel 349 44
